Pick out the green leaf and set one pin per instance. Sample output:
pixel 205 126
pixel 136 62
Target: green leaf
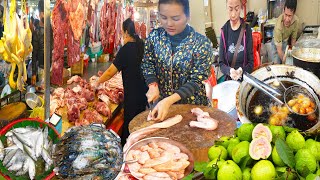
pixel 285 153
pixel 244 162
pixel 200 166
pixel 300 177
pixel 288 129
pixel 189 177
pixel 282 177
pixel 211 173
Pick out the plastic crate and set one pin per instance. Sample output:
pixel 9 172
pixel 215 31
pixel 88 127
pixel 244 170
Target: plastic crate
pixel 77 68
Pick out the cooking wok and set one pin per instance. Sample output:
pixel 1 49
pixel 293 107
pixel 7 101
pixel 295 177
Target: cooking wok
pixel 292 74
pixel 308 59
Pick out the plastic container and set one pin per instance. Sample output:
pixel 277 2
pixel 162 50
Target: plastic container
pixel 95 47
pixel 92 55
pixel 225 94
pixel 85 60
pixel 77 68
pixel 33 122
pixel 257 40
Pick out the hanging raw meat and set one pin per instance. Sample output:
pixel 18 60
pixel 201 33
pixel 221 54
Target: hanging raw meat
pixel 107 25
pixel 119 21
pixel 129 12
pixel 137 27
pixel 143 31
pixel 103 24
pixel 93 20
pixel 76 19
pixel 59 27
pixel 76 9
pixel 73 48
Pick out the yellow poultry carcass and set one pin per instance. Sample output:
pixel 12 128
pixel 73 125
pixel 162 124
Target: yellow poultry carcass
pixel 15 44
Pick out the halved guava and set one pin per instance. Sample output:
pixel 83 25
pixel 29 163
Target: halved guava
pixel 262 131
pixel 260 148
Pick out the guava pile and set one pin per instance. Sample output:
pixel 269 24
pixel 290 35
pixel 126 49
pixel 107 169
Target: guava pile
pixel 264 152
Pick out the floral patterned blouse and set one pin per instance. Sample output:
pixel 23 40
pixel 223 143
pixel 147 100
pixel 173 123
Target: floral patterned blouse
pixel 181 72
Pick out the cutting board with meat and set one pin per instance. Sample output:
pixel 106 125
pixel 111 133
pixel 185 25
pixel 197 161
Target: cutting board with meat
pixel 82 103
pixel 196 139
pixel 66 124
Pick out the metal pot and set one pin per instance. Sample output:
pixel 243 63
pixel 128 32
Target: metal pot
pixel 288 73
pixel 307 58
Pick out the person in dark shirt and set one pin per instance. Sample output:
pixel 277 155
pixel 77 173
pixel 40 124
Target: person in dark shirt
pixel 229 36
pixel 36 24
pixel 128 60
pixel 38 46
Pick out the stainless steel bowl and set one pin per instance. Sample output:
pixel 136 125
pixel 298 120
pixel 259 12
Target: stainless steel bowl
pixel 33 100
pixel 146 141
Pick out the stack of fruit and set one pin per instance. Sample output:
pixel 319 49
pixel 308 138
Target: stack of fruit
pixel 264 152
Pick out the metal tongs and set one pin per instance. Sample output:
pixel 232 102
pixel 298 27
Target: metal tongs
pixel 273 93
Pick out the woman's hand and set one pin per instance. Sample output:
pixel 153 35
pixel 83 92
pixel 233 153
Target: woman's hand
pixel 153 93
pixel 233 74
pixel 160 111
pixel 239 73
pixel 162 108
pixel 236 74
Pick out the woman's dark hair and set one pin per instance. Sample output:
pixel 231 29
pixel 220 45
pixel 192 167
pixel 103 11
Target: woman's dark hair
pixel 183 3
pixel 291 4
pixel 128 26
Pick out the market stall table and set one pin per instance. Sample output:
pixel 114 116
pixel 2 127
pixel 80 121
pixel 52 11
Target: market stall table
pixel 91 70
pixel 12 112
pixel 197 140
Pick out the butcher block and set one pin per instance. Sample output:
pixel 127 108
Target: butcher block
pixel 197 140
pixel 66 124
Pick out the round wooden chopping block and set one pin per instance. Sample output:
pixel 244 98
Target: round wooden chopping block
pixel 197 140
pixel 12 112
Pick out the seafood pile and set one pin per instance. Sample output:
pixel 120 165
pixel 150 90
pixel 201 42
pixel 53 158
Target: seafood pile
pixel 25 148
pixel 88 152
pixel 156 160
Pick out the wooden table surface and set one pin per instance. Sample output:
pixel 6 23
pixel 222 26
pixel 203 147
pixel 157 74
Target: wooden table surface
pixel 196 139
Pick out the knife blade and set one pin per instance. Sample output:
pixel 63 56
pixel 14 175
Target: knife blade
pixel 151 104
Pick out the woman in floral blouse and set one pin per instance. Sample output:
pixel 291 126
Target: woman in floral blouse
pixel 176 60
